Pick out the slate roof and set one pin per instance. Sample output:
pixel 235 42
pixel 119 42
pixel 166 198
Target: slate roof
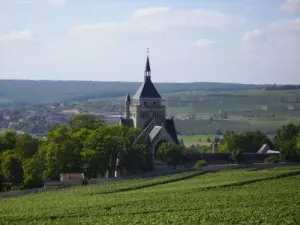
pixel 169 125
pixel 127 122
pixel 147 67
pixel 154 132
pixel 127 99
pixel 147 90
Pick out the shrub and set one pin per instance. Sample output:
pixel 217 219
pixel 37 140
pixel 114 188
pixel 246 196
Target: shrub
pixel 272 159
pixel 170 153
pixel 200 163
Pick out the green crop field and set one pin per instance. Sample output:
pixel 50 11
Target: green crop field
pixel 246 110
pixel 189 140
pixel 227 197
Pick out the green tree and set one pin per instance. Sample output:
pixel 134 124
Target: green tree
pixel 287 132
pixel 247 141
pixel 86 121
pixel 11 169
pixel 26 146
pixel 33 172
pixel 286 141
pixel 8 140
pixel 170 153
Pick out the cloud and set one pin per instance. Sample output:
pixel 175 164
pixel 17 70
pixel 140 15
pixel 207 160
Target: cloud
pixel 161 18
pixel 287 24
pixel 204 43
pixel 254 39
pixel 291 6
pixel 26 34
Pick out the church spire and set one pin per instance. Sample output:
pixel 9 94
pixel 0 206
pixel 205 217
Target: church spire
pixel 147 67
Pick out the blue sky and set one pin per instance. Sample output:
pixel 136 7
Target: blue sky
pixel 245 41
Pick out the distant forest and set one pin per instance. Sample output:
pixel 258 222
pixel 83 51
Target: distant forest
pixel 282 87
pixel 21 93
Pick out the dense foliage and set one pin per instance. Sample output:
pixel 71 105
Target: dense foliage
pixel 213 198
pixel 286 141
pixel 246 141
pixel 170 153
pixel 84 144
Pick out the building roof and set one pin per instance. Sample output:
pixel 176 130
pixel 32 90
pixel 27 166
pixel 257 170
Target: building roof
pixel 147 90
pixel 169 125
pixel 128 99
pixel 147 67
pixel 126 122
pixel 154 132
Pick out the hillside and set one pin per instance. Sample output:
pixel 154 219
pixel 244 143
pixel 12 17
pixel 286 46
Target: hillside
pixel 20 93
pixel 212 111
pixel 228 197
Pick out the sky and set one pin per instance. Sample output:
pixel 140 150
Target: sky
pixel 241 41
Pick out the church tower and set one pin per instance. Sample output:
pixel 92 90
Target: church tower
pixel 146 105
pixel 146 111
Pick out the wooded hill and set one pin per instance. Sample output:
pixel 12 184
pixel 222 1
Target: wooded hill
pixel 21 93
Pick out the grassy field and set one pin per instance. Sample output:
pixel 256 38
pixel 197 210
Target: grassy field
pixel 228 197
pixel 189 140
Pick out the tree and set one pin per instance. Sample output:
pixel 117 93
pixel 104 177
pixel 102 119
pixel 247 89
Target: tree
pixel 170 153
pixel 105 146
pixel 33 172
pixel 287 132
pixel 26 146
pixel 8 140
pixel 11 168
pixel 247 141
pixel 287 142
pixel 86 121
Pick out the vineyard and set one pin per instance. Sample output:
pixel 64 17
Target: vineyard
pixel 228 197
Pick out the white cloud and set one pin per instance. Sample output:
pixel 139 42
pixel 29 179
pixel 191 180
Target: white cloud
pixel 204 43
pixel 254 39
pixel 287 24
pixel 26 34
pixel 161 18
pixel 291 6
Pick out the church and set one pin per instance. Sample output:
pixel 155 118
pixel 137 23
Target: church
pixel 146 111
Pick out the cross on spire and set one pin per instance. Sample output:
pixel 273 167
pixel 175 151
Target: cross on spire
pixel 147 67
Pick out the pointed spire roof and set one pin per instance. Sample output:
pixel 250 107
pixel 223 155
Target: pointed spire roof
pixel 147 88
pixel 128 99
pixel 147 67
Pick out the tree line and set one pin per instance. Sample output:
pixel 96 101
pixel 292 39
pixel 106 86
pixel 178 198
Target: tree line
pixel 84 144
pixel 286 141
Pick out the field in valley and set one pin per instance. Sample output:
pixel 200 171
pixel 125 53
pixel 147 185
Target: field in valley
pixel 199 112
pixel 227 197
pixel 197 139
